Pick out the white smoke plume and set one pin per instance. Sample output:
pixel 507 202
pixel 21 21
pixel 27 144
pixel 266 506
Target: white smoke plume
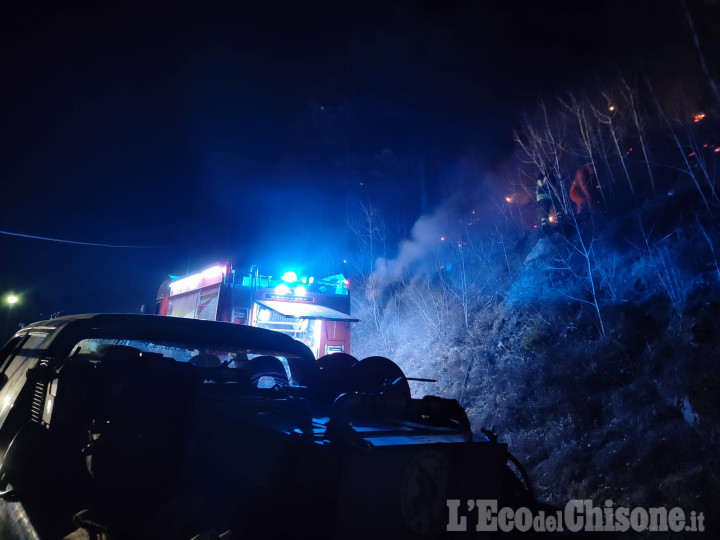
pixel 425 236
pixel 473 188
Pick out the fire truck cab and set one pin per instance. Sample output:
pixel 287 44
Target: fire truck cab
pixel 314 311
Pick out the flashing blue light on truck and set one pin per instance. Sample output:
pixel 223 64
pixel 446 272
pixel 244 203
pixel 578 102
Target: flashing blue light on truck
pixel 289 277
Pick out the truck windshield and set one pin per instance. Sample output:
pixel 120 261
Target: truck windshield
pixel 268 366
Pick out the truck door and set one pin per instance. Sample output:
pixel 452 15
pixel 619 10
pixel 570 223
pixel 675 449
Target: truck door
pixel 335 337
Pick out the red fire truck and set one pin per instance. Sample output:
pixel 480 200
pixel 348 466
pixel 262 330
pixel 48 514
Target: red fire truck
pixel 314 311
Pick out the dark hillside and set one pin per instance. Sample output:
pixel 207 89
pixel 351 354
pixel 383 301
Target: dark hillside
pixel 590 346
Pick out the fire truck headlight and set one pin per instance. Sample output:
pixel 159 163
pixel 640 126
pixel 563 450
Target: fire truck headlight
pixel 264 314
pixel 282 289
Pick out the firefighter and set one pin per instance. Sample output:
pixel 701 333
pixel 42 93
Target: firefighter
pixel 581 192
pixel 556 191
pixel 544 200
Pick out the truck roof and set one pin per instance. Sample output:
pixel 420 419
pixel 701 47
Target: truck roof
pixel 66 331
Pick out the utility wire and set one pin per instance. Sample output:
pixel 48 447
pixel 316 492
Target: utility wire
pixel 76 242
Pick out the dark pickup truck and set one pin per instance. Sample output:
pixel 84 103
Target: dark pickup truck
pixel 133 426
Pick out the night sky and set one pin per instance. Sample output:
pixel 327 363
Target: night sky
pixel 250 133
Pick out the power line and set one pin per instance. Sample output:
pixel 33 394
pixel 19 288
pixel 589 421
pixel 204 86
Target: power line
pixel 76 242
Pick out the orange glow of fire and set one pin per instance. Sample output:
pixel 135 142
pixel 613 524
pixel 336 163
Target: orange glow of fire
pixel 508 199
pixel 698 117
pixel 611 108
pixel 551 219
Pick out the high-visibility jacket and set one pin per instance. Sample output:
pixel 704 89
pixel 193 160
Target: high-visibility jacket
pixel 543 191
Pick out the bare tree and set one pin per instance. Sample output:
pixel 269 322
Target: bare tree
pixel 631 102
pixel 682 114
pixel 369 228
pixel 468 276
pixel 431 303
pixel 587 271
pixel 688 169
pixel 607 117
pixel 709 241
pixel 701 56
pixel 371 234
pixel 585 129
pixel 544 146
pixel 665 268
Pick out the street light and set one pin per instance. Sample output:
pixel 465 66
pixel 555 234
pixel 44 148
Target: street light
pixel 11 300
